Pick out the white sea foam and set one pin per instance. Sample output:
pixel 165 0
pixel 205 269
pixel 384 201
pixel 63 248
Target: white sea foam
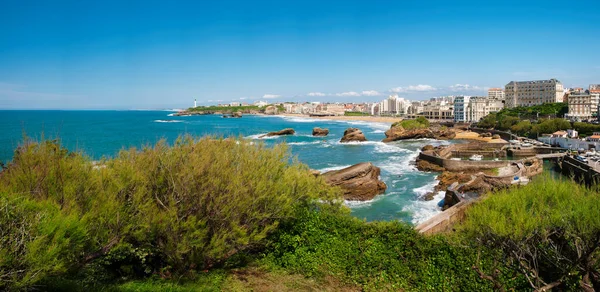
pixel 258 136
pixel 378 132
pixel 170 115
pixel 168 121
pixel 303 143
pixel 421 209
pixel 336 167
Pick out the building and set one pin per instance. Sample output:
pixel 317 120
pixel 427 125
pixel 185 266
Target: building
pixel 580 106
pixel 480 107
pixel 594 88
pixel 528 93
pixel 496 93
pixel 437 111
pixel 594 138
pixel 461 104
pixel 394 105
pixel 260 103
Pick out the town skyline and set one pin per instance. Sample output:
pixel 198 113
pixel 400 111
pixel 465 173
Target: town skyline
pixel 70 55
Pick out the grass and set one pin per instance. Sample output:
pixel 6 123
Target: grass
pixel 356 114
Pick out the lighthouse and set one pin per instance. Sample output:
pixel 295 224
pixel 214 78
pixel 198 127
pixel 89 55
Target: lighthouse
pixel 195 103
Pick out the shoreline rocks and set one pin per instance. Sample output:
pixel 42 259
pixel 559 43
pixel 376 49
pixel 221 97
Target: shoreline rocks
pixel 288 131
pixel 320 132
pixel 359 182
pixel 353 134
pixel 438 132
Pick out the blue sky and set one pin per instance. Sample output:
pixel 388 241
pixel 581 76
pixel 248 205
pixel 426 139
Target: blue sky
pixel 163 54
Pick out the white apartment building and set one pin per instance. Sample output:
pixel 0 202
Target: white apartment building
pixel 479 107
pixel 394 105
pixel 416 107
pixel 496 93
pixel 461 104
pixel 528 93
pixel 260 103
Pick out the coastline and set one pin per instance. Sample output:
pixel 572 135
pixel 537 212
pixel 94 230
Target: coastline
pixel 372 119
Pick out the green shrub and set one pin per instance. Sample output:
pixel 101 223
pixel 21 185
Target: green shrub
pixel 377 256
pixel 36 241
pixel 549 230
pixel 162 209
pixel 418 123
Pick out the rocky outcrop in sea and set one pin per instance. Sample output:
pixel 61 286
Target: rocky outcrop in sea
pixel 288 131
pixel 320 132
pixel 359 182
pixel 397 132
pixel 353 134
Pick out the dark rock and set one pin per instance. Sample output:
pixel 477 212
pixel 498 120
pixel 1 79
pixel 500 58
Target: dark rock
pixel 353 134
pixel 320 132
pixel 236 115
pixel 359 182
pixel 288 131
pixel 427 148
pixel 424 165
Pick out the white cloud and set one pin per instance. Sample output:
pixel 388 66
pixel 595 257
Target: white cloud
pixel 271 96
pixel 242 98
pixel 465 87
pixel 370 93
pixel 414 88
pixel 349 93
pixel 316 94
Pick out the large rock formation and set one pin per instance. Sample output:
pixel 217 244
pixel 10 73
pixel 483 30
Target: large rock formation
pixel 359 182
pixel 288 131
pixel 236 115
pixel 320 132
pixel 353 134
pixel 397 132
pixel 271 110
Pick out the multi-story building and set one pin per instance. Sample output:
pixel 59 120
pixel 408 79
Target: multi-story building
pixel 580 106
pixel 528 93
pixel 496 93
pixel 480 107
pixel 416 107
pixel 594 88
pixel 460 108
pixel 437 111
pixel 394 105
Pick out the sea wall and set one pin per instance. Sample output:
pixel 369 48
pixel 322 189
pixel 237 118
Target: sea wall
pixel 578 170
pixel 444 221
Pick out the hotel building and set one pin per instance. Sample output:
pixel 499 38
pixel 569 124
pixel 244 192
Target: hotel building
pixel 480 107
pixel 496 93
pixel 528 93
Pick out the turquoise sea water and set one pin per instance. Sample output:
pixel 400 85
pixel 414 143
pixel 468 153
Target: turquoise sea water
pixel 104 133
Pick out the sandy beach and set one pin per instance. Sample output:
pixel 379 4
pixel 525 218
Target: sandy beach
pixel 373 119
pixel 475 136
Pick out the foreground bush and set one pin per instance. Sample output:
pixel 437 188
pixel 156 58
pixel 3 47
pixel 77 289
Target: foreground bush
pixel 548 230
pixel 159 210
pixel 377 256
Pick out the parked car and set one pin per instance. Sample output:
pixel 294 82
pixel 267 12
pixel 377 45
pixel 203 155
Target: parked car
pixel 581 158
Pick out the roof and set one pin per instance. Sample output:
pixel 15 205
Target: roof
pixel 595 136
pixel 560 133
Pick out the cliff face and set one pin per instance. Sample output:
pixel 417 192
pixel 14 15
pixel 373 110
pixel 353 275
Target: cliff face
pixel 397 132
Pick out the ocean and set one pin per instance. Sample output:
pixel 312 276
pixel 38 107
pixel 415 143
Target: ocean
pixel 103 133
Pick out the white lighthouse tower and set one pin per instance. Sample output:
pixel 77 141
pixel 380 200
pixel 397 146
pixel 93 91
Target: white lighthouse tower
pixel 195 103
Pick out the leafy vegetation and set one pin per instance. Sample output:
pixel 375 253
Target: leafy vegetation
pixel 160 210
pixel 224 214
pixel 549 230
pixel 418 123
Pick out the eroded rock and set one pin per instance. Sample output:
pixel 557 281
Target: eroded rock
pixel 288 131
pixel 359 182
pixel 320 132
pixel 353 134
